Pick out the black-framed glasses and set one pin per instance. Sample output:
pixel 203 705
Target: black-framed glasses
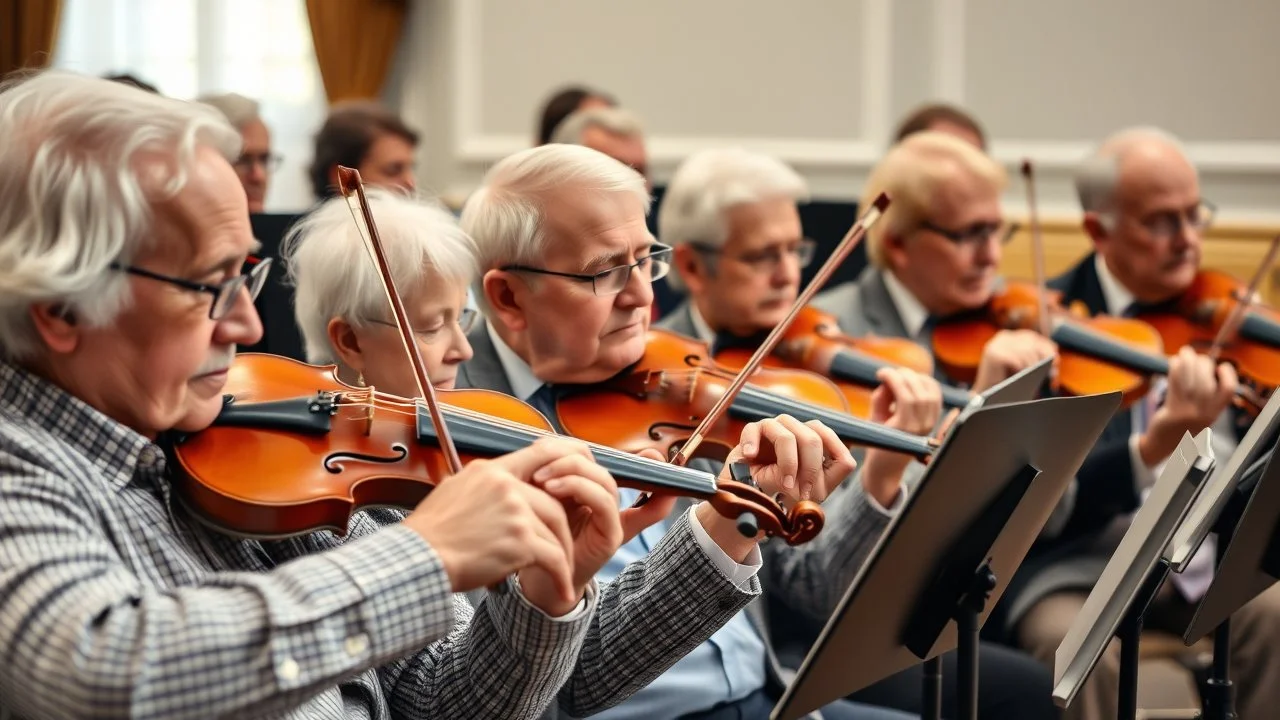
pixel 224 293
pixel 974 235
pixel 465 321
pixel 611 282
pixel 768 259
pixel 269 161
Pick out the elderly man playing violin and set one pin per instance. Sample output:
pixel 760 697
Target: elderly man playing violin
pixel 1145 215
pixel 123 234
pixel 732 218
pixel 567 265
pixel 661 606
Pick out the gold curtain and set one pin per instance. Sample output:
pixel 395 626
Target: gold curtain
pixel 355 42
pixel 28 29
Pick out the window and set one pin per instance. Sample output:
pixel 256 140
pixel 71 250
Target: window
pixel 187 48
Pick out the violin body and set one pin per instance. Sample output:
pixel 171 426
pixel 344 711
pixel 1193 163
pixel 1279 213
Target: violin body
pixel 659 402
pixel 1095 354
pixel 1197 316
pixel 298 450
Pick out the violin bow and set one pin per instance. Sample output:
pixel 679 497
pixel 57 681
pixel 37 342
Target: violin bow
pixel 850 241
pixel 352 187
pixel 1037 248
pixel 1237 314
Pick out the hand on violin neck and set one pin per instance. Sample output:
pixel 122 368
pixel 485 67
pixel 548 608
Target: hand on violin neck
pixel 906 400
pixel 1010 352
pixel 1197 393
pixel 489 521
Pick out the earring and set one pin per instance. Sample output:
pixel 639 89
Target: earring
pixel 360 379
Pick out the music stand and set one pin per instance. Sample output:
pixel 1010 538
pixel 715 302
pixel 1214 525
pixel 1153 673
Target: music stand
pixel 1248 564
pixel 1131 579
pixel 966 526
pixel 1023 386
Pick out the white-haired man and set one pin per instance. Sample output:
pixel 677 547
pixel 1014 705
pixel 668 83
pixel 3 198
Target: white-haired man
pixel 1144 212
pixel 614 131
pixel 567 264
pixel 123 233
pixel 256 161
pixel 732 217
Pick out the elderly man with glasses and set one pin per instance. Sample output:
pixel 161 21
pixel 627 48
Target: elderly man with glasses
pixel 567 267
pixel 1145 215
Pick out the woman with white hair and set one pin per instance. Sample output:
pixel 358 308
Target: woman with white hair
pixel 342 309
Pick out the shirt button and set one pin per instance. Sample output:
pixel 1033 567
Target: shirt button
pixel 356 645
pixel 288 669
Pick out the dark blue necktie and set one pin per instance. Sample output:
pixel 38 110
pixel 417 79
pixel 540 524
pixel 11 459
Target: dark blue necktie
pixel 544 401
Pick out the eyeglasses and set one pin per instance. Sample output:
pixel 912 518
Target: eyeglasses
pixel 767 260
pixel 611 282
pixel 973 236
pixel 1166 225
pixel 466 320
pixel 224 293
pixel 269 161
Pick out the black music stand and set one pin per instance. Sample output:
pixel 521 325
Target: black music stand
pixel 1248 563
pixel 1134 574
pixel 947 557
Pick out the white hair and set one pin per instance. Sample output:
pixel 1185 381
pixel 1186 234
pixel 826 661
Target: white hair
pixel 707 184
pixel 335 276
pixel 238 109
pixel 1098 175
pixel 505 216
pixel 616 120
pixel 82 160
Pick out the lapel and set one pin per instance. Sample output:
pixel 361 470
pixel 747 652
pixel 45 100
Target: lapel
pixel 1081 283
pixel 877 305
pixel 679 321
pixel 483 371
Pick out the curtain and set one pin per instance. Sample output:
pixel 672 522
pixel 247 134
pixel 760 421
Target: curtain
pixel 355 42
pixel 28 29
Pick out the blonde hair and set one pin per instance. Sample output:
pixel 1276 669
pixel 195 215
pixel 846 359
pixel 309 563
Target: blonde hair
pixel 912 173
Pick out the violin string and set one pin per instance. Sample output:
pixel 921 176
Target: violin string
pixel 1241 308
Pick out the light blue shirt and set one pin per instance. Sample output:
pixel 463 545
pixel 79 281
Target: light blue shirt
pixel 727 667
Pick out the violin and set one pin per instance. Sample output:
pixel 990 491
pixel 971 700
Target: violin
pixel 1215 315
pixel 295 450
pixel 330 449
pixel 660 401
pixel 1095 354
pixel 814 342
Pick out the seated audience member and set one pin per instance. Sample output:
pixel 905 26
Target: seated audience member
pixel 565 102
pixel 941 117
pixel 256 161
pixel 370 138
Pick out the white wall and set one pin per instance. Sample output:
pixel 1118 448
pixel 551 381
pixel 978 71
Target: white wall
pixel 821 83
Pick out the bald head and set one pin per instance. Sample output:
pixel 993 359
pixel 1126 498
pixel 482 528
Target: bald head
pixel 1142 208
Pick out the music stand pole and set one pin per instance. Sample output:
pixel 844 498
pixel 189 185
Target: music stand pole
pixel 1129 634
pixel 931 705
pixel 970 609
pixel 1219 695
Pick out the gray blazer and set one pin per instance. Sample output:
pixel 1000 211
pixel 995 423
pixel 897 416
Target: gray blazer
pixel 864 307
pixel 694 597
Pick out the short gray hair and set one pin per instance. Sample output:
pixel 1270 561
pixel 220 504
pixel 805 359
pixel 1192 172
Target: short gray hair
pixel 238 109
pixel 505 216
pixel 335 277
pixel 1098 175
pixel 82 161
pixel 613 119
pixel 708 183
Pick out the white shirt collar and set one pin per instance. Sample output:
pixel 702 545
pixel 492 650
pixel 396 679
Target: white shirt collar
pixel 912 313
pixel 1117 296
pixel 700 326
pixel 523 382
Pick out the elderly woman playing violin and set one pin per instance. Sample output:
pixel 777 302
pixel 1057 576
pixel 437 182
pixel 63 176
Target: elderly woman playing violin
pixel 342 312
pixel 123 234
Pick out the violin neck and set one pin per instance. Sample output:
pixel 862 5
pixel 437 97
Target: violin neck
pixel 754 404
pixel 1082 340
pixel 481 435
pixel 861 370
